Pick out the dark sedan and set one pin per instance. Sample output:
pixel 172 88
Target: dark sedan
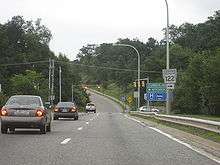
pixel 25 111
pixel 65 110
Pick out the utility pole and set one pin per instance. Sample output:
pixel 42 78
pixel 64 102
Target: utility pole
pixel 60 82
pixel 49 83
pixel 52 82
pixel 72 92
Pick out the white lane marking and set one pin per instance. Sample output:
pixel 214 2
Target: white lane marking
pixel 87 122
pixel 97 114
pixel 200 151
pixel 80 128
pixel 65 141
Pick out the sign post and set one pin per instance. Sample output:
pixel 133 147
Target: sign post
pixel 169 76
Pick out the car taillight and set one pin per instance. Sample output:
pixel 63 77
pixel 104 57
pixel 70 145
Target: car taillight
pixel 73 109
pixel 56 109
pixel 39 112
pixel 4 112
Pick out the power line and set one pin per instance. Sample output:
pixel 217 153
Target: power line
pixel 83 65
pixel 24 63
pixel 109 68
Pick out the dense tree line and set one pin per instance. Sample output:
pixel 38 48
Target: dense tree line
pixel 23 42
pixel 194 51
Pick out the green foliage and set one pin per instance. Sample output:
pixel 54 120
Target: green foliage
pixel 26 41
pixel 194 51
pixel 30 83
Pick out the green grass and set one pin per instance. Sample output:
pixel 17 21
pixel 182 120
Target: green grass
pixel 205 117
pixel 192 130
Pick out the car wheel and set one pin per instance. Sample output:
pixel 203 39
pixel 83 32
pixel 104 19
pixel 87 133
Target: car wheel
pixel 95 111
pixel 12 130
pixel 49 127
pixel 43 129
pixel 76 118
pixel 4 129
pixel 55 118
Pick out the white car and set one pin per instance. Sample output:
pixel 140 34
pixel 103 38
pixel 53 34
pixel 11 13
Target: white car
pixel 90 107
pixel 143 109
pixel 155 110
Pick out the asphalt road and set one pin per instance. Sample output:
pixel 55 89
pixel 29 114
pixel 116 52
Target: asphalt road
pixel 104 138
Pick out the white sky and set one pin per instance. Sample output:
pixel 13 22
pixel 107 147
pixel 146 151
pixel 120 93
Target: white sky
pixel 75 23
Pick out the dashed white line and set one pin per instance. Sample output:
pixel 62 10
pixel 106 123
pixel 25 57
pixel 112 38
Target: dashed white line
pixel 80 128
pixel 87 122
pixel 200 151
pixel 65 141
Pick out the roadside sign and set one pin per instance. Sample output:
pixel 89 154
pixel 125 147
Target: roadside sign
pixel 156 87
pixel 156 92
pixel 135 94
pixel 123 98
pixel 129 99
pixel 170 86
pixel 155 96
pixel 169 75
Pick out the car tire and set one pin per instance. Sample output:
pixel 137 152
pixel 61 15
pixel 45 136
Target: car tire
pixel 43 129
pixel 12 130
pixel 76 118
pixel 49 127
pixel 4 129
pixel 95 111
pixel 55 118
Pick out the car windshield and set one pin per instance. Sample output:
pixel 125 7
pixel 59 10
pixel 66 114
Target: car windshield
pixel 65 104
pixel 24 101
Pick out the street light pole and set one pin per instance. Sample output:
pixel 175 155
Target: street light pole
pixel 126 45
pixel 72 92
pixel 60 82
pixel 168 104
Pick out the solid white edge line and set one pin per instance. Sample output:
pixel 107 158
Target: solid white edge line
pixel 200 151
pixel 80 128
pixel 65 141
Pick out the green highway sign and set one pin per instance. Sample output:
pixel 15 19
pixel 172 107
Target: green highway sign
pixel 156 87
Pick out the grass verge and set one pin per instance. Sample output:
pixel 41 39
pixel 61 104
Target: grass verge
pixel 189 129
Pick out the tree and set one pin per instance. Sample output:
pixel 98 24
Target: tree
pixel 30 83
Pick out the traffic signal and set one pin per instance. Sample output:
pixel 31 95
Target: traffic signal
pixel 143 84
pixel 135 84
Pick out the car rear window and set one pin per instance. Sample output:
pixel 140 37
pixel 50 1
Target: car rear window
pixel 65 104
pixel 24 101
pixel 91 104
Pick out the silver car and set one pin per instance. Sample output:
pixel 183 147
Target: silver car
pixel 25 111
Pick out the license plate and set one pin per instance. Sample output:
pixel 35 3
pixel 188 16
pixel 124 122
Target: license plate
pixel 64 110
pixel 21 112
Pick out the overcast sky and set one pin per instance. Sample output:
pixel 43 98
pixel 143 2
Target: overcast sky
pixel 75 23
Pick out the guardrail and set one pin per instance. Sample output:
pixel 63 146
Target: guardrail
pixel 209 125
pixel 213 126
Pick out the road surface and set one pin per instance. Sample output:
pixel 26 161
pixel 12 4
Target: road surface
pixel 105 138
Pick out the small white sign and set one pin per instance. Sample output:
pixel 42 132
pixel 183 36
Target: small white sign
pixel 170 86
pixel 135 94
pixel 169 76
